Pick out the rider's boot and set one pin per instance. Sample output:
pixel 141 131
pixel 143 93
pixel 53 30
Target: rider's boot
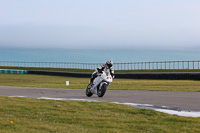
pixel 91 83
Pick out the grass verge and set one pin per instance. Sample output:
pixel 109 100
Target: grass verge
pixel 31 115
pixel 43 81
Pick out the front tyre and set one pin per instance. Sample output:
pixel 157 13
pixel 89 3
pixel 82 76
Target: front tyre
pixel 102 90
pixel 88 92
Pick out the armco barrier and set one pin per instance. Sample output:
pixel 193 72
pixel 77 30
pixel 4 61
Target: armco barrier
pixel 67 74
pixel 167 76
pixel 12 71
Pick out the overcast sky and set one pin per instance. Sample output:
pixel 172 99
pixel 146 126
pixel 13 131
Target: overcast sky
pixel 87 24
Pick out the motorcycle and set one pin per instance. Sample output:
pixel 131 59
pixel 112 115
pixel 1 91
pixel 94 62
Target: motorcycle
pixel 100 84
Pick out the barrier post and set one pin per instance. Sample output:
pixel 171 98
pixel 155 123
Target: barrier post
pixel 156 65
pixel 134 66
pixel 118 66
pixel 160 65
pixel 149 65
pixel 193 64
pixel 178 65
pixel 131 66
pixel 153 65
pixel 142 65
pixel 128 66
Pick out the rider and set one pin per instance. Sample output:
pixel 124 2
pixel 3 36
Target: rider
pixel 107 66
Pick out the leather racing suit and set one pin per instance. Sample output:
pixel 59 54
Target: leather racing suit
pixel 100 70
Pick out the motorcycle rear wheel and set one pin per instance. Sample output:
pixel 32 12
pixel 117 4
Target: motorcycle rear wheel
pixel 88 92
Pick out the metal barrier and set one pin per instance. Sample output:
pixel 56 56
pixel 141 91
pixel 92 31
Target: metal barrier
pixel 143 75
pixel 12 71
pixel 172 65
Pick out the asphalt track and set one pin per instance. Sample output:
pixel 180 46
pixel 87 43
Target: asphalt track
pixel 172 99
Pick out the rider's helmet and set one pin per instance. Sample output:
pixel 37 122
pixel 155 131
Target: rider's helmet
pixel 109 63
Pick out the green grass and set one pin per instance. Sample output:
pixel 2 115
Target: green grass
pixel 90 71
pixel 40 116
pixel 43 81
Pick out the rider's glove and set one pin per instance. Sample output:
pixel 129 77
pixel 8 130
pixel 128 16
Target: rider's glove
pixel 113 76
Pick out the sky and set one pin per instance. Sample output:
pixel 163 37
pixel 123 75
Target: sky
pixel 89 24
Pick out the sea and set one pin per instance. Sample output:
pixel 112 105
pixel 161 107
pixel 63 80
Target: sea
pixel 96 55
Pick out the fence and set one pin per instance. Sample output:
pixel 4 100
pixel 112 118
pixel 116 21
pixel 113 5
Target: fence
pixel 116 66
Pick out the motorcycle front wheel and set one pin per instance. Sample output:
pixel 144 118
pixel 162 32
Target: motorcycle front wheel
pixel 88 92
pixel 102 90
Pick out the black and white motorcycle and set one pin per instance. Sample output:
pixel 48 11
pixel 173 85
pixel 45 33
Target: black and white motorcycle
pixel 100 84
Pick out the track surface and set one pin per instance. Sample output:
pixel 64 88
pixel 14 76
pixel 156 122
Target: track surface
pixel 182 100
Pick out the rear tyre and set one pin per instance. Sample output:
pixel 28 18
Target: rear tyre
pixel 102 90
pixel 88 92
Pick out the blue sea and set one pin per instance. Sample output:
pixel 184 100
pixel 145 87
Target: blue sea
pixel 95 56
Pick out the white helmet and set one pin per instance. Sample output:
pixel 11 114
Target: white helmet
pixel 109 63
